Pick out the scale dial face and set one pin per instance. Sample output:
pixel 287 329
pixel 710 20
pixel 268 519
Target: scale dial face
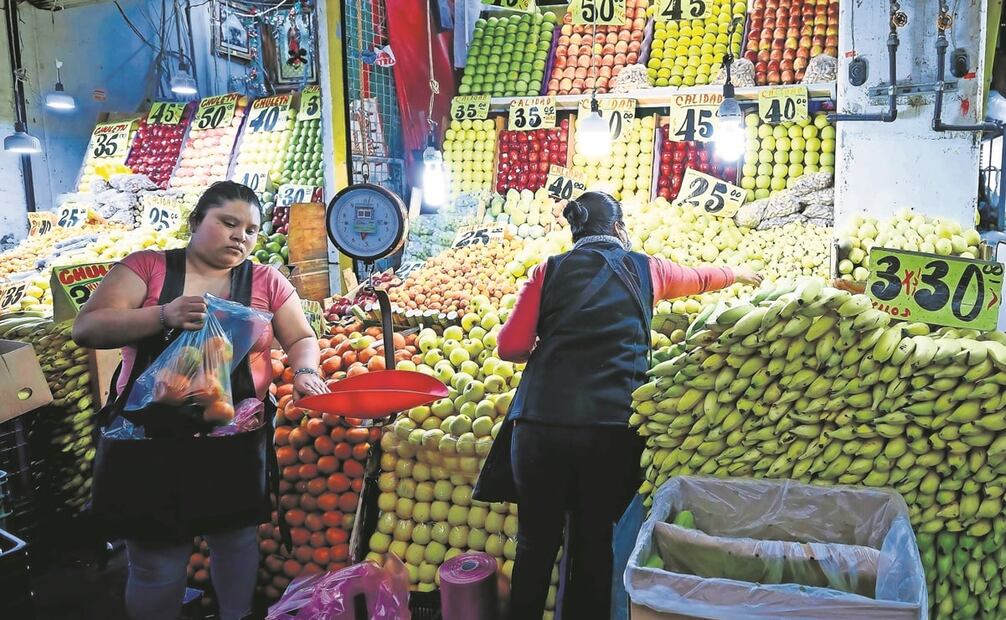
pixel 367 222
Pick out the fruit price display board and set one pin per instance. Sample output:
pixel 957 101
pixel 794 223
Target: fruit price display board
pixel 161 213
pixel 158 141
pixel 41 223
pixel 291 194
pixel 677 10
pixel 264 142
pixel 474 235
pixel 71 215
pixel 109 145
pixel 255 177
pixel 786 104
pixel 72 287
pixel 515 5
pixel 470 107
pixel 11 294
pixel 693 118
pixel 564 184
pixel 166 113
pixel 617 112
pixel 215 112
pixel 714 196
pixel 934 289
pixel 206 155
pixel 599 12
pixel 530 113
pixel 310 104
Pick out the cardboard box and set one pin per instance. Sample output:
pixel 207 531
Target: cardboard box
pixel 22 385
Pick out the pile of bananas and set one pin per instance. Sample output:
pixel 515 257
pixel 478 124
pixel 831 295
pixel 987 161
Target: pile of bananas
pixel 62 471
pixel 810 383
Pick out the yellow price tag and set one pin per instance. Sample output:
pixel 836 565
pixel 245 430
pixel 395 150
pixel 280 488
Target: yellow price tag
pixel 787 104
pixel 942 290
pixel 110 140
pixel 470 107
pixel 675 10
pixel 256 178
pixel 72 287
pixel 619 113
pixel 161 213
pixel 693 118
pixel 599 12
pixel 564 184
pixel 480 234
pixel 291 194
pixel 40 223
pixel 216 112
pixel 11 295
pixel 269 114
pixel 166 113
pixel 529 113
pixel 514 5
pixel 714 196
pixel 310 104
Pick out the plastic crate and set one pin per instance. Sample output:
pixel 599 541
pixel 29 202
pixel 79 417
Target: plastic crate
pixel 425 605
pixel 15 583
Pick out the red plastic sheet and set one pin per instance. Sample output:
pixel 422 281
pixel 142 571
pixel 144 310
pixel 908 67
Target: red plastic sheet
pixel 407 30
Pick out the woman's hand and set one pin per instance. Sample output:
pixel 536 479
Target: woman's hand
pixel 185 313
pixel 745 275
pixel 307 384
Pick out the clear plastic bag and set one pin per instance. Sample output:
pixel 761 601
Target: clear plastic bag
pixel 814 534
pixel 196 368
pixel 331 596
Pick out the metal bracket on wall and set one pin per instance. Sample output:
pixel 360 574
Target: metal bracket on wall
pixel 878 94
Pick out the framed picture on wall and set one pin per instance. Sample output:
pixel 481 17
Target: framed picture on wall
pixel 291 51
pixel 230 37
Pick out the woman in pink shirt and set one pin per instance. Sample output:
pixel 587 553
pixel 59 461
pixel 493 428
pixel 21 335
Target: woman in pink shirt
pixel 582 324
pixel 159 492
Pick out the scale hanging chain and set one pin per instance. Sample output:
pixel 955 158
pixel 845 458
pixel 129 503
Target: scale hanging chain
pixel 434 84
pixel 361 113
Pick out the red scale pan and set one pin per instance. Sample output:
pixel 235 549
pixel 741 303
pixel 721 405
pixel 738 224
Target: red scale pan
pixel 376 395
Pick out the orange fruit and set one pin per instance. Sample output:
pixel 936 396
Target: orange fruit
pixel 321 556
pixel 219 412
pixel 332 518
pixel 316 428
pixel 316 486
pixel 336 536
pixel 324 444
pixel 282 436
pixel 328 502
pixel 295 517
pixel 338 483
pixel 328 464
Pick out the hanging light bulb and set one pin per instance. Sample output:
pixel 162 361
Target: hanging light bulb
pixel 435 178
pixel 21 141
pixel 181 82
pixel 593 138
pixel 730 134
pixel 58 99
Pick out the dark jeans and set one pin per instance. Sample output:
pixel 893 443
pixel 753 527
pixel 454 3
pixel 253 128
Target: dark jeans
pixel 576 480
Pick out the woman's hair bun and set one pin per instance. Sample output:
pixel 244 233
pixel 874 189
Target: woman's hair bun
pixel 575 213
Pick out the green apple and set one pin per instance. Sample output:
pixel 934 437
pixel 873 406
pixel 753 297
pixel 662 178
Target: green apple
pixel 458 356
pixel 431 357
pixel 499 507
pixel 406 365
pixel 494 384
pixel 434 553
pixel 485 413
pixel 458 536
pixel 496 429
pixel 421 473
pixel 428 571
pixel 386 502
pixel 466 444
pixel 453 552
pixel 444 371
pixel 380 542
pixel 403 530
pixel 482 447
pixel 508 301
pixel 427 343
pixel 515 379
pixel 431 438
pixel 457 515
pixel 471 368
pixel 510 548
pixel 489 365
pixel 439 511
pixel 454 332
pixel 414 554
pixel 468 408
pixel 510 526
pixel 403 508
pixel 462 495
pixel 494 522
pixel 442 408
pixel 470 464
pixel 424 491
pixel 442 490
pixel 386 523
pixel 403 427
pixel 448 445
pixel 426 370
pixel 461 380
pixel 416 437
pixel 494 545
pixel 403 468
pixel 441 532
pixel 387 482
pixel 483 356
pixel 489 340
pixel 473 347
pixel 461 425
pixel 477 539
pixel 421 534
pixel 477 333
pixel 489 321
pixel 421 512
pixel 474 391
pixel 470 320
pixel 398 549
pixel 477 517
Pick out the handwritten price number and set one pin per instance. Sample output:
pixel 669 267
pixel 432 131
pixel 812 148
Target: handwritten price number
pixel 11 295
pixel 310 105
pixel 939 294
pixel 527 118
pixel 697 125
pixel 610 12
pixel 165 113
pixel 108 144
pixel 408 268
pixel 675 10
pixel 160 218
pixel 39 226
pixel 265 120
pixel 79 293
pixel 783 106
pixel 212 117
pixel 72 217
pixel 517 5
pixel 254 180
pixel 470 108
pixel 293 194
pixel 717 194
pixel 561 187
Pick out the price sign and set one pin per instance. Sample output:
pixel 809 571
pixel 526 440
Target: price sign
pixel 693 118
pixel 515 5
pixel 40 223
pixel 599 12
pixel 408 268
pixel 315 315
pixel 564 184
pixel 528 113
pixel 255 177
pixel 942 290
pixel 269 113
pixel 480 234
pixel 675 10
pixel 110 140
pixel 783 105
pixel 72 215
pixel 290 194
pixel 618 112
pixel 166 113
pixel 215 112
pixel 715 196
pixel 161 214
pixel 310 104
pixel 72 287
pixel 471 107
pixel 11 294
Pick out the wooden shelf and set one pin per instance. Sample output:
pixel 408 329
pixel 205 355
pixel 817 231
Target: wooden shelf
pixel 660 97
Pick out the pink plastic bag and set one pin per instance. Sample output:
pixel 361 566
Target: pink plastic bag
pixel 330 596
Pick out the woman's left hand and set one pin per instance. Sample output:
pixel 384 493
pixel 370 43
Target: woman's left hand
pixel 746 275
pixel 306 384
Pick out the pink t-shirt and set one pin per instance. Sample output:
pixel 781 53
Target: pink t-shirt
pixel 270 290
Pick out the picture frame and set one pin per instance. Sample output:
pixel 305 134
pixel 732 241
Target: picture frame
pixel 294 51
pixel 230 38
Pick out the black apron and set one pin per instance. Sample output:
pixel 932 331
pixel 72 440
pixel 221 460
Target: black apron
pixel 173 486
pixel 496 480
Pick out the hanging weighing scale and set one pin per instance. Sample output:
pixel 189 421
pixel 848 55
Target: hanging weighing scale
pixel 368 223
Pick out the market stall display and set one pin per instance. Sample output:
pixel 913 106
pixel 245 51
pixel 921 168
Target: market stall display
pixel 525 156
pixel 106 151
pixel 782 39
pixel 158 141
pixel 261 152
pixel 691 52
pixel 777 155
pixel 673 158
pixel 507 55
pixel 302 164
pixel 206 155
pixel 470 152
pixel 530 214
pixel 627 171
